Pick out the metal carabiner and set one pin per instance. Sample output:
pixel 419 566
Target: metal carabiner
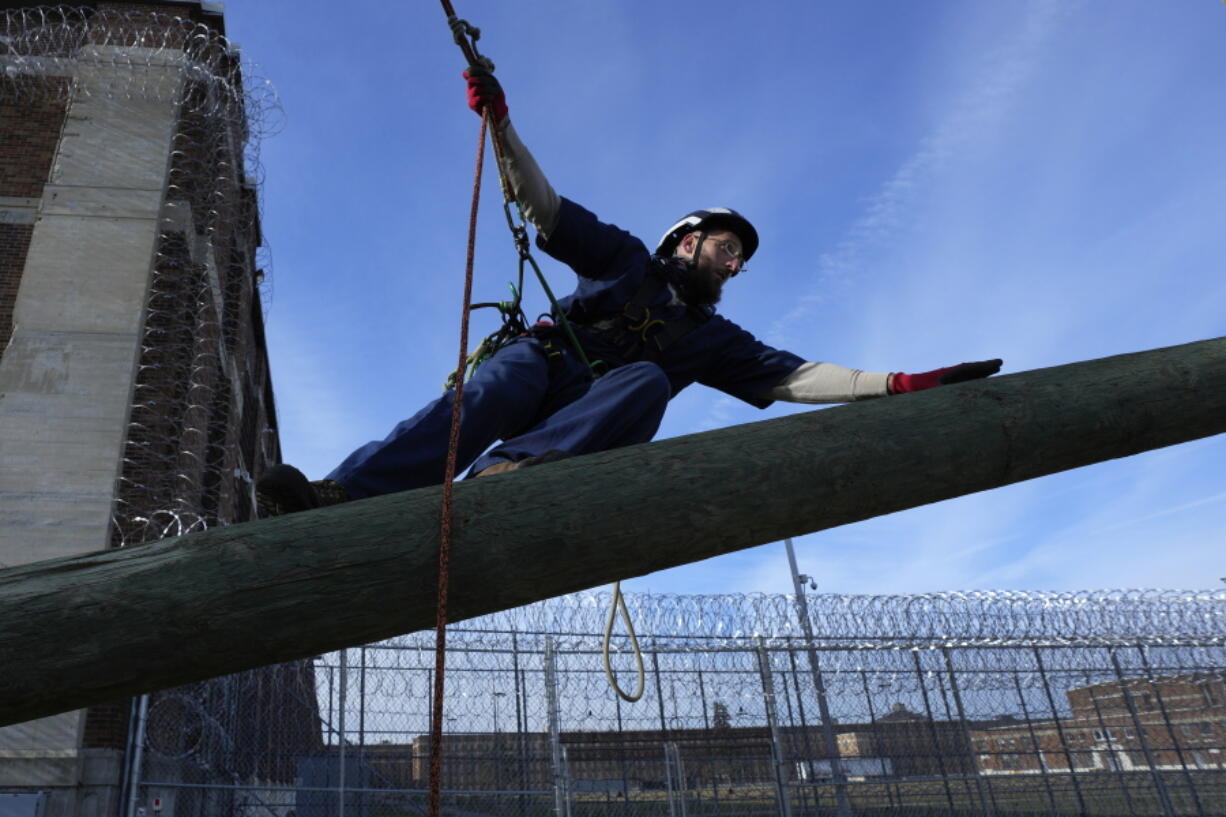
pixel 466 35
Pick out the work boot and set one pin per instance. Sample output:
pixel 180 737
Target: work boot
pixel 503 466
pixel 284 489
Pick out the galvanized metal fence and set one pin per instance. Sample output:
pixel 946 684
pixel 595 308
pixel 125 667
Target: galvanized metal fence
pixel 1108 703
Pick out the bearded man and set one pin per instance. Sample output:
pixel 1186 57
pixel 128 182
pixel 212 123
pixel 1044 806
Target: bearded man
pixel 646 319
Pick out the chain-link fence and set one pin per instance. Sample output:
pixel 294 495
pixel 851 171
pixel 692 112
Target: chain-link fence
pixel 978 703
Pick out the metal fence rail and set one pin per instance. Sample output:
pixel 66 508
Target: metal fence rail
pixel 1109 703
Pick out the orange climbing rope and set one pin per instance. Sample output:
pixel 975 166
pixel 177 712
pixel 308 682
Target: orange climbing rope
pixel 466 36
pixel 444 541
pixel 453 446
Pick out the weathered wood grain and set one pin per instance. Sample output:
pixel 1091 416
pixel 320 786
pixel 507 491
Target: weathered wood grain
pixel 93 628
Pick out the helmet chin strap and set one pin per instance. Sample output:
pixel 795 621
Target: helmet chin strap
pixel 691 265
pixel 693 262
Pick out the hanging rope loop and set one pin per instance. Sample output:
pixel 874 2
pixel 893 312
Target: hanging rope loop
pixel 617 604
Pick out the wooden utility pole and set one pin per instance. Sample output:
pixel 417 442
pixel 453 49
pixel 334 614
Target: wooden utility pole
pixel 88 629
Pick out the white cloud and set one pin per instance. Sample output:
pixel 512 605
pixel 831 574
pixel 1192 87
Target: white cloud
pixel 972 116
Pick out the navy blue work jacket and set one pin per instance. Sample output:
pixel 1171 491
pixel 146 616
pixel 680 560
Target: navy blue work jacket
pixel 611 265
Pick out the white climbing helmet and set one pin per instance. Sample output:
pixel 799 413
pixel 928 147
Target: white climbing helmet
pixel 712 218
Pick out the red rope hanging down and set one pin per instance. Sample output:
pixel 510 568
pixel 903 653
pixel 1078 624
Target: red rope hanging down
pixel 444 543
pixel 465 37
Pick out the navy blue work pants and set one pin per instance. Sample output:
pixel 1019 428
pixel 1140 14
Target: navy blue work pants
pixel 531 402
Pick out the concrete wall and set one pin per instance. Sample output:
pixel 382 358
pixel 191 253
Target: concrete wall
pixel 66 375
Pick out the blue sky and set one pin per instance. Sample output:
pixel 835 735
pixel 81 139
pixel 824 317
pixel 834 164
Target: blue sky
pixel 933 182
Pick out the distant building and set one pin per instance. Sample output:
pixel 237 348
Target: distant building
pixel 1183 718
pixel 901 743
pixel 912 745
pixel 1176 722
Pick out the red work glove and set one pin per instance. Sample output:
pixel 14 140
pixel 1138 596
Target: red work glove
pixel 484 91
pixel 902 383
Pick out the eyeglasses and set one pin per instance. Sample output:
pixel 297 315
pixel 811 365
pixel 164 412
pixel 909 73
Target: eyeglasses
pixel 731 250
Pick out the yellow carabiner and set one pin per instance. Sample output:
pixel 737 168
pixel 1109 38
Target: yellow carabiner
pixel 647 323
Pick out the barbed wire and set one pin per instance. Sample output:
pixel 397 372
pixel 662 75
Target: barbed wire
pixel 41 45
pixel 983 618
pixel 872 668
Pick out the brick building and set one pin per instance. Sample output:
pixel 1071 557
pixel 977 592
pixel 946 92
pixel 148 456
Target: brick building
pixel 911 744
pixel 899 744
pixel 135 399
pixel 1169 723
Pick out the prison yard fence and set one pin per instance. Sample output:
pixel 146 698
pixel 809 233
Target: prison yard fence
pixel 1102 703
pixel 1097 703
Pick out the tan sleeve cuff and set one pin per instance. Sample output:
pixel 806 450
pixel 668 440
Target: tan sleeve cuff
pixel 829 383
pixel 537 199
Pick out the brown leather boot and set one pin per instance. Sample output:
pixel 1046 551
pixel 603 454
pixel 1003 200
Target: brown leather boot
pixel 503 466
pixel 284 489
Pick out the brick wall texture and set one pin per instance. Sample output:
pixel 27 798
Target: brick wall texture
pixel 14 243
pixel 28 138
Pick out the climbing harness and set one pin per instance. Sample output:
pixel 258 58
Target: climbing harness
pixel 637 333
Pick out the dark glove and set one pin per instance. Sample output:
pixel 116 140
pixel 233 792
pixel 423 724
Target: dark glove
pixel 484 91
pixel 903 383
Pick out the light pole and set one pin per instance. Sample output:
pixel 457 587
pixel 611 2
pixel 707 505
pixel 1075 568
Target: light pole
pixel 496 696
pixel 802 612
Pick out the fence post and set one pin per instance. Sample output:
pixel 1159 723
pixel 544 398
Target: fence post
pixel 892 791
pixel 1111 755
pixel 343 702
pixel 561 798
pixel 670 784
pixel 932 730
pixel 804 732
pixel 521 718
pixel 1168 808
pixel 684 788
pixel 1035 742
pixel 1055 717
pixel 702 697
pixel 985 801
pixel 655 668
pixel 362 706
pixel 823 708
pixel 138 754
pixel 778 756
pixel 1176 742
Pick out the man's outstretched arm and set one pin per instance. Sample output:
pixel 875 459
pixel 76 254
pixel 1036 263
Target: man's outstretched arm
pixel 532 190
pixel 830 383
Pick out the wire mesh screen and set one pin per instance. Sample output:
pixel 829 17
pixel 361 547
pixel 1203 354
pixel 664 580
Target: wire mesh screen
pixel 200 420
pixel 978 703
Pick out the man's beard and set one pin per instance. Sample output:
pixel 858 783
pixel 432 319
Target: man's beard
pixel 702 287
